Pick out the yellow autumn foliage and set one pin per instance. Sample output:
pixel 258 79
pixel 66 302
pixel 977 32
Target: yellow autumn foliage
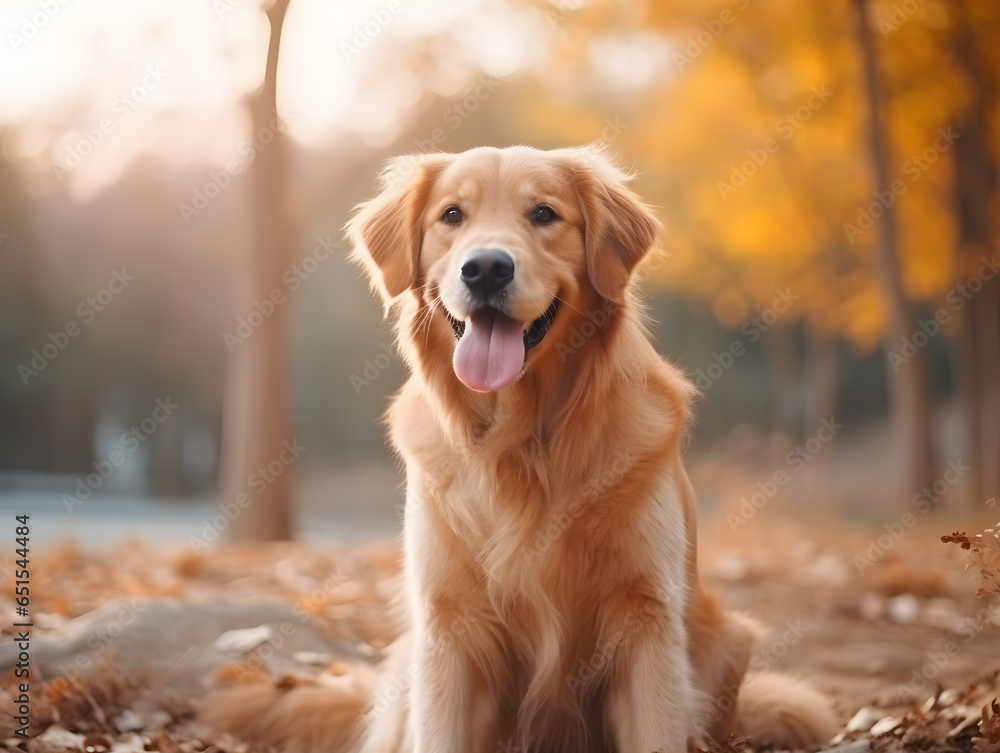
pixel 752 142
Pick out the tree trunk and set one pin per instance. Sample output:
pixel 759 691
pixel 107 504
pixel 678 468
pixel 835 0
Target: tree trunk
pixel 909 384
pixel 821 375
pixel 986 307
pixel 976 182
pixel 257 463
pixel 783 363
pixel 781 351
pixel 967 370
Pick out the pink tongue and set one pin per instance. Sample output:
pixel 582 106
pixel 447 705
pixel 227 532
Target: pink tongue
pixel 491 352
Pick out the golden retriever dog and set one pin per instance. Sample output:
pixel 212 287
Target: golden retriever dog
pixel 550 556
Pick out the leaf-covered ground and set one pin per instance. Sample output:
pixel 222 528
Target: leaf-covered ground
pixel 126 641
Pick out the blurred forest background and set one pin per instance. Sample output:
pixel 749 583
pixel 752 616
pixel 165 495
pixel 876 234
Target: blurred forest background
pixel 175 304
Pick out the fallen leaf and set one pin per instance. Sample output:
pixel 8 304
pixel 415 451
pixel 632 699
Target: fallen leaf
pixel 970 717
pixel 241 641
pixel 863 720
pixel 56 739
pixel 165 743
pixel 883 726
pixel 131 743
pixel 97 743
pixel 959 538
pixel 312 657
pixel 239 673
pixel 127 721
pixel 990 726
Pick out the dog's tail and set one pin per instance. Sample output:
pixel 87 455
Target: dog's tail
pixel 293 718
pixel 785 712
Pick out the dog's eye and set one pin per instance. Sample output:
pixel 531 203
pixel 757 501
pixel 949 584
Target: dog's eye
pixel 452 215
pixel 543 214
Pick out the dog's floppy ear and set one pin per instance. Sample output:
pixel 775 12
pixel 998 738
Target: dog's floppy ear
pixel 620 228
pixel 385 231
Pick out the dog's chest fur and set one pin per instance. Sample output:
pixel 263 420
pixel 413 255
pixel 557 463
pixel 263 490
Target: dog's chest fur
pixel 552 545
pixel 534 558
pixel 542 547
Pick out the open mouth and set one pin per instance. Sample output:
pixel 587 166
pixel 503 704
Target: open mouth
pixel 492 346
pixel 532 336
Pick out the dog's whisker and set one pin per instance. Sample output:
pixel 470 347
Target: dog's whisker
pixel 564 302
pixel 429 311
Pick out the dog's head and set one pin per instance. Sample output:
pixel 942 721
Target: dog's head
pixel 501 245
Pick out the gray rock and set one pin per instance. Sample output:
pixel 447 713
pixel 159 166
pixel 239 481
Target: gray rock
pixel 172 643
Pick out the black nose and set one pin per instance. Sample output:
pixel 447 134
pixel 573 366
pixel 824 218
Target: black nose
pixel 487 271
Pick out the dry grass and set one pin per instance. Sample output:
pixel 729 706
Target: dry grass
pixel 983 550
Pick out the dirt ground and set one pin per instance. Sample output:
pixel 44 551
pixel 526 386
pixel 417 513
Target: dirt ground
pixel 890 627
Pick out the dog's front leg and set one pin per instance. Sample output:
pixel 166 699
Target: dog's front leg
pixel 441 695
pixel 652 703
pixel 440 602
